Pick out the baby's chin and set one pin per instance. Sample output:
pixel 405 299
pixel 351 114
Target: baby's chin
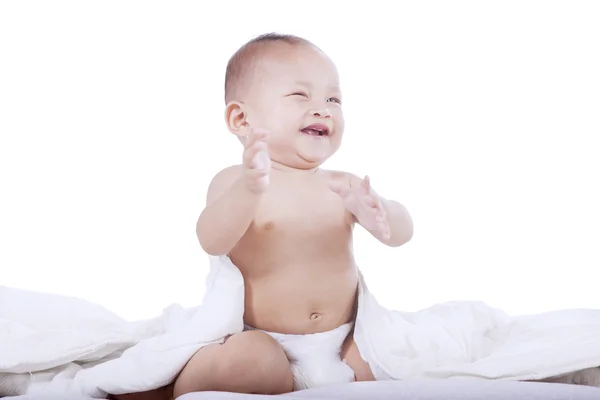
pixel 300 160
pixel 316 155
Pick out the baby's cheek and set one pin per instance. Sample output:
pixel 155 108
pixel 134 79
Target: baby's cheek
pixel 339 123
pixel 277 124
pixel 336 140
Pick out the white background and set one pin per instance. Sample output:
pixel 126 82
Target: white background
pixel 483 118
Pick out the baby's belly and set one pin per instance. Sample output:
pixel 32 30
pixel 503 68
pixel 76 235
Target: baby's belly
pixel 301 299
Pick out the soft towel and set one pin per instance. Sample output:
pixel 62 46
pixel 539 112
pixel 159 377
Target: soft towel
pixel 53 345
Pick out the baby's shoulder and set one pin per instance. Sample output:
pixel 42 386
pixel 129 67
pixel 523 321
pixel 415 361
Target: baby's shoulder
pixel 227 174
pixel 344 177
pixel 222 180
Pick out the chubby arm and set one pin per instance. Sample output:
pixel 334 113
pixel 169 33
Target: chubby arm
pixel 229 211
pixel 395 214
pixel 400 222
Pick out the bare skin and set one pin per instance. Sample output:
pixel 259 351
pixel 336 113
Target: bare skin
pixel 287 225
pixel 300 277
pixel 296 257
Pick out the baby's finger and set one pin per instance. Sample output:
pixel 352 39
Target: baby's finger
pixel 260 132
pixel 372 202
pixel 249 138
pixel 254 135
pixel 366 183
pixel 385 231
pixel 381 209
pixel 383 227
pixel 259 173
pixel 338 188
pixel 250 153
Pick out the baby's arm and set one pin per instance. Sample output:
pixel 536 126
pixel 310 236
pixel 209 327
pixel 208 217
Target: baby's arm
pixel 397 217
pixel 230 208
pixel 400 222
pixel 233 197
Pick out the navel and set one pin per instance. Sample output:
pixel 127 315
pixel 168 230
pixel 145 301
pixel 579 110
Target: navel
pixel 269 225
pixel 315 316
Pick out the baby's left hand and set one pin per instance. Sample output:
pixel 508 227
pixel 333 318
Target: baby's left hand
pixel 366 206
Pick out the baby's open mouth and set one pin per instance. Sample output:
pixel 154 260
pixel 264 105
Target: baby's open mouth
pixel 316 130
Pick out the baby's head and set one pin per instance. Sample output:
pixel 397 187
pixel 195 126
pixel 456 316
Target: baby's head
pixel 286 85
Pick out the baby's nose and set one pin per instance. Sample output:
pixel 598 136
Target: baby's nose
pixel 324 113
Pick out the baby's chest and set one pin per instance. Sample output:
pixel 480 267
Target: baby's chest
pixel 303 210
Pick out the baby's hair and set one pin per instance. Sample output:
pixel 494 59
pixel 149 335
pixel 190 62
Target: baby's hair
pixel 243 60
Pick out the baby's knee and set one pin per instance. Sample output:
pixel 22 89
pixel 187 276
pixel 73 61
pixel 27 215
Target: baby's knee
pixel 248 362
pixel 253 352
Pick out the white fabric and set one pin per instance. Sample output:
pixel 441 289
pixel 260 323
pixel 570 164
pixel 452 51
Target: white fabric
pixel 315 358
pixel 423 390
pixel 93 352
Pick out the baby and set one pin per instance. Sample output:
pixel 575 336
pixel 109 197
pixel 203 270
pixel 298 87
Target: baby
pixel 287 225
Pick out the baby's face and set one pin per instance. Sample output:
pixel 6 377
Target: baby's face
pixel 296 96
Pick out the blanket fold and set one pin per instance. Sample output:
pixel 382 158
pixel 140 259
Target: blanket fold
pixel 57 345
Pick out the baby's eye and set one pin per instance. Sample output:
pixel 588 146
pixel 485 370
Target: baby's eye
pixel 335 99
pixel 299 94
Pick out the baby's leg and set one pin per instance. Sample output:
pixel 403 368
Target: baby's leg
pixel 350 354
pixel 249 362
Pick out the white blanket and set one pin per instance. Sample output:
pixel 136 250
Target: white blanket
pixel 60 346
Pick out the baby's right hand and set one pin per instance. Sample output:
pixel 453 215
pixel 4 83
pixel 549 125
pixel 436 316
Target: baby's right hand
pixel 256 161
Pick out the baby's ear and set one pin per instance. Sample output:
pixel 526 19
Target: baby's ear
pixel 236 118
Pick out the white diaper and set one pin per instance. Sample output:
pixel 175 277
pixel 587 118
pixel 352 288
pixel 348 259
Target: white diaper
pixel 315 358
